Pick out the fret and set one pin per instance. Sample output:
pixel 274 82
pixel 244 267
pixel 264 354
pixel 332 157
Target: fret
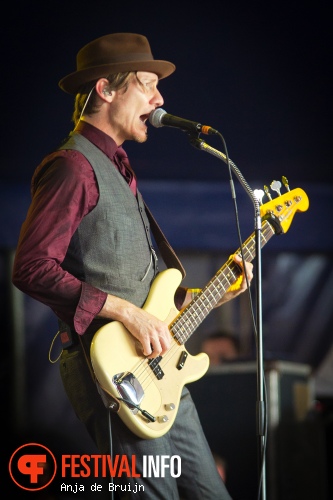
pixel 199 303
pixel 230 276
pixel 250 252
pixel 191 319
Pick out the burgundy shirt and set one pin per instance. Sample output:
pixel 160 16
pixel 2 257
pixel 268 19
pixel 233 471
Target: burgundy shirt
pixel 61 197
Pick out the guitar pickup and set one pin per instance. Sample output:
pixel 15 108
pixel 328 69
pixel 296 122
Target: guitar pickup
pixel 182 360
pixel 155 367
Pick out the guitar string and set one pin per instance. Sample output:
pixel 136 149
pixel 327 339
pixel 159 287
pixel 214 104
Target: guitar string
pixel 148 373
pixel 182 319
pixel 177 327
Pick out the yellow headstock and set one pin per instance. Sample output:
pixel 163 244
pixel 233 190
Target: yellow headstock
pixel 285 206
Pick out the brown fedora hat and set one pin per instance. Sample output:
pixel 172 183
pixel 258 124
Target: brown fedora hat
pixel 115 53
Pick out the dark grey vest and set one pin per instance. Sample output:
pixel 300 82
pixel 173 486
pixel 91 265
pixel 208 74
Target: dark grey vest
pixel 112 248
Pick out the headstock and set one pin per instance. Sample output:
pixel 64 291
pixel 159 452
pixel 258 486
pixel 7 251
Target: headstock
pixel 285 205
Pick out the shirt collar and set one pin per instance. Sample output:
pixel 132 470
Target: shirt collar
pixel 101 140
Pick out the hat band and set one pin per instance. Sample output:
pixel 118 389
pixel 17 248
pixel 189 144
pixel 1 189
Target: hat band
pixel 130 57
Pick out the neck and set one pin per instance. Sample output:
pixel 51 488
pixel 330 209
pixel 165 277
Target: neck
pixel 104 126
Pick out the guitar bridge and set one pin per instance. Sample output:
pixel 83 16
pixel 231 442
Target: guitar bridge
pixel 129 389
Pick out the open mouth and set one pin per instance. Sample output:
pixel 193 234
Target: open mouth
pixel 144 118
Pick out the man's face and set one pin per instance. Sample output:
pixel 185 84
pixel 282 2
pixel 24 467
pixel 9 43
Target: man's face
pixel 130 110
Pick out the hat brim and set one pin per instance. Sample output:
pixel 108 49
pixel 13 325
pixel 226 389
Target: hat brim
pixel 72 82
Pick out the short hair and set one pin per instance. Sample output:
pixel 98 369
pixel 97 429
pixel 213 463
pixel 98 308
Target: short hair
pixel 85 99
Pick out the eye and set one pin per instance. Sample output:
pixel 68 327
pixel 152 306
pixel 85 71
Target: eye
pixel 149 85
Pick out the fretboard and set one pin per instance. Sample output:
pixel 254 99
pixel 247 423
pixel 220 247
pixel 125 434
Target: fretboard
pixel 203 303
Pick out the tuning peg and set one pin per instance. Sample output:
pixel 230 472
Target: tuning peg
pixel 276 185
pixel 285 183
pixel 268 194
pixel 259 194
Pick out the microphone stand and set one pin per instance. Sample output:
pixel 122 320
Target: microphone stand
pixel 261 417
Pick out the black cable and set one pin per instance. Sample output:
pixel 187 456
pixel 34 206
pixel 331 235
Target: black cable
pixel 244 183
pixel 111 449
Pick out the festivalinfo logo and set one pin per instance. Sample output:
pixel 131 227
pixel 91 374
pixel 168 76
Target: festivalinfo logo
pixel 33 467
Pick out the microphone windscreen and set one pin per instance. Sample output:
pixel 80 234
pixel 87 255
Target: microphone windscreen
pixel 155 117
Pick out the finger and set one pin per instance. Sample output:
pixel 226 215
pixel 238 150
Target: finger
pixel 160 344
pixel 147 349
pixel 249 270
pixel 237 258
pixel 165 341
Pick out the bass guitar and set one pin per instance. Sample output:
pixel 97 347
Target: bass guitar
pixel 146 392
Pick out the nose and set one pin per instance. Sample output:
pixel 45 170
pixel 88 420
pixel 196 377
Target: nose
pixel 158 99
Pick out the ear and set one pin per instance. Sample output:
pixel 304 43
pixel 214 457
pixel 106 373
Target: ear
pixel 103 90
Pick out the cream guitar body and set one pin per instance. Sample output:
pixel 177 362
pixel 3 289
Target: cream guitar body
pixel 156 387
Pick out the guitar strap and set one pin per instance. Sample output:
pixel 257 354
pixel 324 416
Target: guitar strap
pixel 169 256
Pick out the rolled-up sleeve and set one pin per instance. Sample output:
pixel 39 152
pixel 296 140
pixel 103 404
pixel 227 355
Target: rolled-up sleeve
pixel 91 302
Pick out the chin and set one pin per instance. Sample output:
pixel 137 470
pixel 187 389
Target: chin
pixel 140 138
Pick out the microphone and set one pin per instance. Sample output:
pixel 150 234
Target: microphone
pixel 160 118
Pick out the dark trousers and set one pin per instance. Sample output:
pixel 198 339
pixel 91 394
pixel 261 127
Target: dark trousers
pixel 199 479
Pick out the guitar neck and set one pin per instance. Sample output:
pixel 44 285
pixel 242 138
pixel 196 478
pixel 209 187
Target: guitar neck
pixel 204 302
